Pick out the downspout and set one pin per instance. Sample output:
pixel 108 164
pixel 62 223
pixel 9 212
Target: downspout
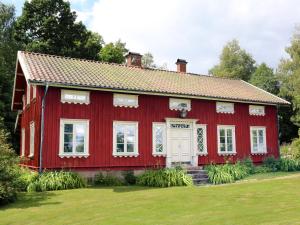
pixel 42 128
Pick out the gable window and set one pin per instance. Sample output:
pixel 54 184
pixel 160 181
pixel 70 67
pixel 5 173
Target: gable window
pixel 226 139
pixel 125 138
pixel 23 142
pixel 28 94
pixel 225 107
pixel 74 138
pixel 72 96
pixel 258 140
pixel 178 104
pixel 201 140
pixel 257 110
pixel 31 145
pixel 123 100
pixel 159 139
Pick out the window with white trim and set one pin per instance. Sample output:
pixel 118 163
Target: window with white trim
pixel 257 110
pixel 225 107
pixel 125 138
pixel 31 141
pixel 201 139
pixel 28 94
pixel 124 100
pixel 179 103
pixel 74 138
pixel 258 140
pixel 23 142
pixel 159 138
pixel 33 91
pixel 226 139
pixel 72 96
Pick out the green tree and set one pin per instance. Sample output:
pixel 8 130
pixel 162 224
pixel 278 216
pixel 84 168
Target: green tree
pixel 148 61
pixel 113 52
pixel 234 62
pixel 264 78
pixel 8 52
pixel 49 26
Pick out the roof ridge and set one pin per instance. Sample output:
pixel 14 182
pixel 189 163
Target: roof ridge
pixel 124 65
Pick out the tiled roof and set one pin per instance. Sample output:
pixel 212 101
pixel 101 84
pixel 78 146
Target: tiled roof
pixel 57 70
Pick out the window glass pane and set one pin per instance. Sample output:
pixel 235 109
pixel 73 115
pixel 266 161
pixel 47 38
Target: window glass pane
pixel 130 130
pixel 69 128
pixel 229 132
pixel 229 140
pixel 130 147
pixel 120 147
pixel 159 148
pixel 130 139
pixel 222 147
pixel 229 148
pixel 222 132
pixel 200 139
pixel 68 147
pixel 80 148
pixel 255 147
pixel 158 138
pixel 68 137
pixel 222 140
pixel 120 133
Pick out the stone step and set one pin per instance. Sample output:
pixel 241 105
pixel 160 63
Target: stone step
pixel 195 171
pixel 194 176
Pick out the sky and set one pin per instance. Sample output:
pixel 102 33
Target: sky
pixel 195 30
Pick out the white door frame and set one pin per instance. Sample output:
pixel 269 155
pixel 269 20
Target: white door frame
pixel 192 123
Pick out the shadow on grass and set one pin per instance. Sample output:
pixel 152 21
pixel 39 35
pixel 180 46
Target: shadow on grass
pixel 28 200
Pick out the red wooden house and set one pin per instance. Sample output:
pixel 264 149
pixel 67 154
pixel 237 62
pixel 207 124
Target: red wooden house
pixel 89 115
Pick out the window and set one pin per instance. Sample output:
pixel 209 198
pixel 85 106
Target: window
pixel 23 142
pixel 178 104
pixel 257 110
pixel 74 138
pixel 34 92
pixel 123 100
pixel 159 139
pixel 125 141
pixel 258 140
pixel 28 94
pixel 201 140
pixel 71 96
pixel 226 140
pixel 225 107
pixel 31 146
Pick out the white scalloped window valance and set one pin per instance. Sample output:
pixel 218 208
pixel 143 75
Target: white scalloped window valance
pixel 225 107
pixel 179 103
pixel 257 110
pixel 72 96
pixel 124 100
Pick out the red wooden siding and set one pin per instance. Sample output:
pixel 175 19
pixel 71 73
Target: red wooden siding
pixel 102 113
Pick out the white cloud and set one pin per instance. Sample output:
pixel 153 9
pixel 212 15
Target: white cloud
pixel 196 30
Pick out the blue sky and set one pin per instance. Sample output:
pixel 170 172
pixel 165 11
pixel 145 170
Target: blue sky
pixel 195 30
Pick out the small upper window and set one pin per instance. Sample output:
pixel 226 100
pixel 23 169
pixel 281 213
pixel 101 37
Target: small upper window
pixel 28 94
pixel 71 96
pixel 258 140
pixel 225 107
pixel 226 139
pixel 159 138
pixel 201 140
pixel 257 110
pixel 178 104
pixel 31 146
pixel 124 100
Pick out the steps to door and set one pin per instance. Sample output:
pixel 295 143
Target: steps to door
pixel 198 174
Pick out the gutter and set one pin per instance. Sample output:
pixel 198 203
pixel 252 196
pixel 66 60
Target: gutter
pixel 42 128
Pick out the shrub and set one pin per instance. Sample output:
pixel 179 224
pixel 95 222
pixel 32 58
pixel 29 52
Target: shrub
pixel 165 178
pixel 26 177
pixel 107 180
pixel 8 169
pixel 249 164
pixel 129 177
pixel 271 163
pixel 56 180
pixel 291 150
pixel 286 164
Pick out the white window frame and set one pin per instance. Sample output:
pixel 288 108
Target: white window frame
pixel 125 100
pixel 28 94
pixel 73 154
pixel 23 142
pixel 203 126
pixel 226 127
pixel 135 153
pixel 33 91
pixel 174 103
pixel 31 139
pixel 76 94
pixel 259 151
pixel 164 138
pixel 257 110
pixel 225 107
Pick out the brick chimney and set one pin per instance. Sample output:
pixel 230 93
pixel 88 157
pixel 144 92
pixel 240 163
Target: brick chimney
pixel 133 59
pixel 181 65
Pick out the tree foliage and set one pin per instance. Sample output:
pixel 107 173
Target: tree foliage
pixel 113 52
pixel 148 61
pixel 264 78
pixel 49 26
pixel 234 62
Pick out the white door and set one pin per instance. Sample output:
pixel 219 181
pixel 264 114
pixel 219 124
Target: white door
pixel 180 143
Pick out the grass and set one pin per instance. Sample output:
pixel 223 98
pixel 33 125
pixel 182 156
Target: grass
pixel 263 200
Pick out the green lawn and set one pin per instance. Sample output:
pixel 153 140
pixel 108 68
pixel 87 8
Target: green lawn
pixel 254 201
